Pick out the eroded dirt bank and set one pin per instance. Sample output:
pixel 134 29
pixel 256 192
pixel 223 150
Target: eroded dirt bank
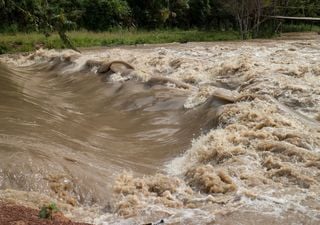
pixel 20 215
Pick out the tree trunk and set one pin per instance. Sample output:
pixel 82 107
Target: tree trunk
pixel 66 41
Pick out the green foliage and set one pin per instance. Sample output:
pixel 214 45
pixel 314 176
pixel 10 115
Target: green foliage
pixel 200 13
pixel 179 13
pixel 149 13
pixel 100 15
pixel 300 27
pixel 41 16
pixel 46 211
pixel 27 42
pixel 3 48
pixel 303 8
pixel 245 16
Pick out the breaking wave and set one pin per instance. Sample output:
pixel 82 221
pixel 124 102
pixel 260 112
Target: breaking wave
pixel 195 133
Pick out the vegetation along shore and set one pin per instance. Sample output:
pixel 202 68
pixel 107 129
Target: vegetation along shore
pixel 28 24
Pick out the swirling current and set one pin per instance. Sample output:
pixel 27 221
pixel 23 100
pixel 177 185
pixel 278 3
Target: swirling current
pixel 198 133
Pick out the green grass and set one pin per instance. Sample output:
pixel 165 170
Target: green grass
pixel 300 28
pixel 23 42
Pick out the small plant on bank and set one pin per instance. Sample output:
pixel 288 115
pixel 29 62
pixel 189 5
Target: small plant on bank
pixel 46 211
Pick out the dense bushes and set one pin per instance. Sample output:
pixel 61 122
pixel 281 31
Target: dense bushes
pixel 101 15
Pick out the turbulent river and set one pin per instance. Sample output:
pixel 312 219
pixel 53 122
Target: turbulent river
pixel 210 133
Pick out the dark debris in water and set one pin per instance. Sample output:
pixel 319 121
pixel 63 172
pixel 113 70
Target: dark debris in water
pixel 156 223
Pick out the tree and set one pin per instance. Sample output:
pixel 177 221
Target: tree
pixel 100 15
pixel 150 13
pixel 248 14
pixel 42 17
pixel 179 13
pixel 199 12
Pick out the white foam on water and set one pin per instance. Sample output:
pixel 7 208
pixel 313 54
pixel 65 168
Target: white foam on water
pixel 263 155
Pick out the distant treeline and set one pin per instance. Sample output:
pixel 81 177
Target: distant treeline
pixel 247 16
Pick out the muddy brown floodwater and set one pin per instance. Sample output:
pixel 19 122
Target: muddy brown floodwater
pixel 199 133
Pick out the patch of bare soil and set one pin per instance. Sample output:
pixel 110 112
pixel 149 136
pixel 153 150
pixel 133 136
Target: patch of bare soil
pixel 19 215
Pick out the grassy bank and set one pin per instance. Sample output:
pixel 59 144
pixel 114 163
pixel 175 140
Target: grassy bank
pixel 300 28
pixel 22 42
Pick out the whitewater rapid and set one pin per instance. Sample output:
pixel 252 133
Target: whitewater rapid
pixel 197 133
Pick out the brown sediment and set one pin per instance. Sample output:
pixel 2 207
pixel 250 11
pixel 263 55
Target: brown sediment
pixel 92 63
pixel 287 149
pixel 115 66
pixel 63 187
pixel 11 214
pixel 158 80
pixel 225 94
pixel 318 117
pixel 262 151
pixel 315 163
pixel 160 189
pixel 249 217
pixel 208 180
pixel 278 169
